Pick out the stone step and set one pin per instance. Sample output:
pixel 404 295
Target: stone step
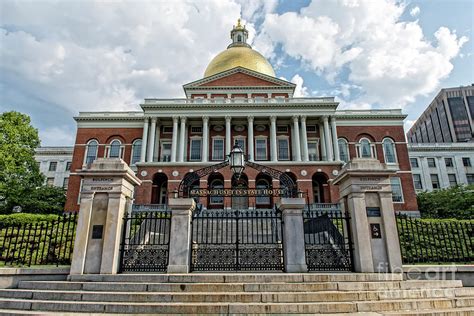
pixel 446 312
pixel 242 297
pixel 238 287
pixel 240 277
pixel 225 308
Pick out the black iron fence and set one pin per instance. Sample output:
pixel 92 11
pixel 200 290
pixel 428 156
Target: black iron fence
pixel 435 241
pixel 41 243
pixel 145 241
pixel 328 243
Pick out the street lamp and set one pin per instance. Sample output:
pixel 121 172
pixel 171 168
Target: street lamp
pixel 237 160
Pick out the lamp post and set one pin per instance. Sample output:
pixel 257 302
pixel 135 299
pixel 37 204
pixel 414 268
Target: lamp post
pixel 237 160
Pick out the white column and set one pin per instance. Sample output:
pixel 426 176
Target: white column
pixel 151 140
pixel 228 140
pixel 174 140
pixel 250 140
pixel 205 138
pixel 182 131
pixel 296 141
pixel 144 140
pixel 335 144
pixel 304 139
pixel 327 138
pixel 273 141
pixel 322 142
pixel 157 142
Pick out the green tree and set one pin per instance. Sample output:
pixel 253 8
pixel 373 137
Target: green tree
pixel 453 202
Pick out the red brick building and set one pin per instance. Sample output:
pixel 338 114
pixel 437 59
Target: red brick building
pixel 240 100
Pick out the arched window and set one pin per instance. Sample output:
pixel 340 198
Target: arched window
pixel 262 199
pixel 136 151
pixel 215 199
pixel 365 149
pixel 91 153
pixel 389 151
pixel 343 149
pixel 239 38
pixel 114 151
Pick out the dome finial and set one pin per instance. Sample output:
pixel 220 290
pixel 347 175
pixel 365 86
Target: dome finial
pixel 239 35
pixel 238 23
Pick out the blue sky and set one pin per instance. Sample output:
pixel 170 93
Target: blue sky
pixel 61 57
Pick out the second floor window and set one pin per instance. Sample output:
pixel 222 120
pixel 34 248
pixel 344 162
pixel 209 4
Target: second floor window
pixel 165 152
pixel 261 149
pixel 53 165
pixel 417 182
pixel 414 162
pixel 389 151
pixel 448 162
pixel 114 151
pixel 91 154
pixel 218 149
pixel 136 151
pixel 195 149
pixel 313 151
pixel 466 162
pixel 365 149
pixel 283 149
pixel 343 149
pixel 431 162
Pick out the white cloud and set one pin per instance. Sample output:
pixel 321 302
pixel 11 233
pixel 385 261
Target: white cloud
pixel 300 89
pixel 415 11
pixel 390 60
pixel 408 124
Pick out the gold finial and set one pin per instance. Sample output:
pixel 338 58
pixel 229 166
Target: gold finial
pixel 238 23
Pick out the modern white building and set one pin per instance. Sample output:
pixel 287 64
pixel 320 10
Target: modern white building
pixel 55 164
pixel 441 165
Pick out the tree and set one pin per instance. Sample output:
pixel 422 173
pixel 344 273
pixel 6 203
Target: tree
pixel 21 183
pixel 453 202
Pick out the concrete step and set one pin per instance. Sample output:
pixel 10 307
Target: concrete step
pixel 221 308
pixel 243 297
pixel 240 277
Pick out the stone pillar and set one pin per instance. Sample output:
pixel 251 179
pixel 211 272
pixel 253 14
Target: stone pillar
pixel 364 187
pixel 322 142
pixel 273 141
pixel 228 135
pixel 296 139
pixel 205 138
pixel 180 235
pixel 151 140
pixel 327 138
pixel 156 145
pixel 174 140
pixel 144 140
pixel 108 185
pixel 250 140
pixel 182 139
pixel 335 144
pixel 304 139
pixel 293 235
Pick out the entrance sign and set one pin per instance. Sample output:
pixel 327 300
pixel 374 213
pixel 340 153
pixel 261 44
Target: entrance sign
pixel 238 192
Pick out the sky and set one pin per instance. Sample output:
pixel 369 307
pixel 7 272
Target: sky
pixel 61 57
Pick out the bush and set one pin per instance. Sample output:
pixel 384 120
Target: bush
pixel 26 218
pixel 455 202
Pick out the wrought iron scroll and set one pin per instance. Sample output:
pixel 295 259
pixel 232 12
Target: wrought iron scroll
pixel 285 179
pixel 190 178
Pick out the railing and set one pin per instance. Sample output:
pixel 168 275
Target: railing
pixel 239 100
pixel 149 207
pixel 41 243
pixel 435 241
pixel 328 207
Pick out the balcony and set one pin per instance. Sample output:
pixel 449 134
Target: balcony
pixel 198 101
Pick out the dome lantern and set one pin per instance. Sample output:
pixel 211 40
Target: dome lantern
pixel 239 35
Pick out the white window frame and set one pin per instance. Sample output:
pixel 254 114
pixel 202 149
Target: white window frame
pixel 428 159
pixel 315 141
pixel 287 139
pixel 87 150
pixel 346 147
pixel 191 140
pixel 373 151
pixel 109 147
pixel 134 145
pixel 264 138
pixel 421 181
pixel 394 151
pixel 417 162
pixel 437 181
pixel 401 189
pixel 162 152
pixel 220 138
pixel 51 164
pixel 241 138
pixel 455 179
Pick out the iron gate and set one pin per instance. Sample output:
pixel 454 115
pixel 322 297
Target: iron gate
pixel 236 240
pixel 328 245
pixel 145 241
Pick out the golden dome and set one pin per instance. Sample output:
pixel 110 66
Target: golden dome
pixel 239 56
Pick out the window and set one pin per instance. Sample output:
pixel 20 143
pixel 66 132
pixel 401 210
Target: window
pixel 68 165
pixel 196 129
pixel 218 149
pixel 261 149
pixel 65 183
pixel 136 151
pixel 311 128
pixel 389 151
pixel 282 128
pixel 434 181
pixel 214 199
pixel 195 149
pixel 448 162
pixel 283 149
pixel 115 148
pixel 365 149
pixel 417 182
pixel 343 149
pixel 470 178
pixel 414 162
pixel 397 194
pixel 91 154
pixel 53 165
pixel 165 152
pixel 431 162
pixel 452 180
pixel 466 161
pixel 50 181
pixel 313 153
pixel 262 199
pixel 240 141
pixel 167 129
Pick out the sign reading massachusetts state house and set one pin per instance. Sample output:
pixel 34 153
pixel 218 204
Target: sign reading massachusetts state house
pixel 238 192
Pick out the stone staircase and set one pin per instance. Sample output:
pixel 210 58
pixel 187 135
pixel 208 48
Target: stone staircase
pixel 232 293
